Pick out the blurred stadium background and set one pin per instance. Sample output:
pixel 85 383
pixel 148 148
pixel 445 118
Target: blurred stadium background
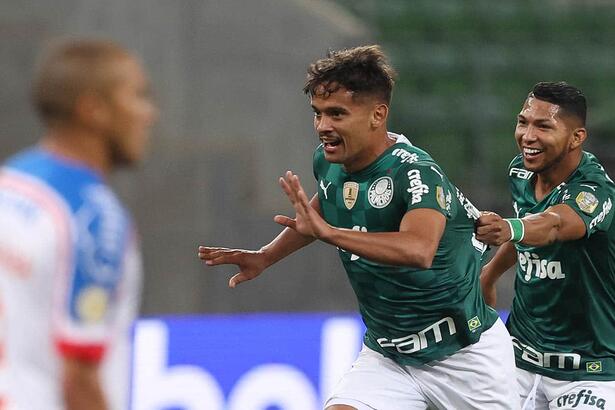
pixel 227 76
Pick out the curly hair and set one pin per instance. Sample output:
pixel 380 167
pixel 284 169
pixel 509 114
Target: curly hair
pixel 364 70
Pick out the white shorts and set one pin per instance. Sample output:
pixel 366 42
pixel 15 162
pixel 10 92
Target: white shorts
pixel 478 377
pixel 545 393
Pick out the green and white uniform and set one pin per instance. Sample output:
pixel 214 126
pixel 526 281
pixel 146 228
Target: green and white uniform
pixel 563 314
pixel 413 316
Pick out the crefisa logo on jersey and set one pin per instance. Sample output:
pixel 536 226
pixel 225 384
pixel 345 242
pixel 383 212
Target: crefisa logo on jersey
pixel 584 397
pixel 417 187
pixel 380 192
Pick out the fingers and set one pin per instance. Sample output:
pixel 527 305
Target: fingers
pixel 206 252
pixel 285 221
pixel 217 256
pixel 291 185
pixel 237 279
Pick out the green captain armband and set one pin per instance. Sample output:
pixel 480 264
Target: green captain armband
pixel 517 229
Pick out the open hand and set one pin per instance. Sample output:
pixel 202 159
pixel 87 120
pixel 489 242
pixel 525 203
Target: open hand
pixel 307 221
pixel 250 263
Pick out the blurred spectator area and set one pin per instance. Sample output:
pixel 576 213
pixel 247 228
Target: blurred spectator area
pixel 228 77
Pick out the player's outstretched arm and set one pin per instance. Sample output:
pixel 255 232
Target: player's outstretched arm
pixel 557 224
pixel 253 263
pixel 415 243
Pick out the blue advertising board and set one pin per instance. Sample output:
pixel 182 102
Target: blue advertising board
pixel 242 362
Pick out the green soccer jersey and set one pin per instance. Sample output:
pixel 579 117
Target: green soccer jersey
pixel 563 314
pixel 412 315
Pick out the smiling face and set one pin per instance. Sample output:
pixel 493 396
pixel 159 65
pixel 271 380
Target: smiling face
pixel 348 126
pixel 548 139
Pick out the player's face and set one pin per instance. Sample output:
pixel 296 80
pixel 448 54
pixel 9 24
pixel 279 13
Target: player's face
pixel 543 136
pixel 131 114
pixel 344 126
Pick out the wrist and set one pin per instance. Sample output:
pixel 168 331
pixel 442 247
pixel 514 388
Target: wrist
pixel 266 257
pixel 326 235
pixel 517 229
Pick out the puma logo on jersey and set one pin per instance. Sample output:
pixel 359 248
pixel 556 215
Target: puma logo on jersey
pixel 405 156
pixel 530 263
pixel 582 397
pixel 606 208
pixel 324 188
pixel 417 187
pixel 520 173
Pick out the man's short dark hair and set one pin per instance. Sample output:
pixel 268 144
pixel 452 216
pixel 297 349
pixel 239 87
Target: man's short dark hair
pixel 70 67
pixel 364 70
pixel 569 98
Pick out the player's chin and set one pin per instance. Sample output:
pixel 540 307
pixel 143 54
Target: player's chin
pixel 335 158
pixel 533 166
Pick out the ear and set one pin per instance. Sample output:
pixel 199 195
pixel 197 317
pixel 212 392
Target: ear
pixel 379 115
pixel 578 137
pixel 91 109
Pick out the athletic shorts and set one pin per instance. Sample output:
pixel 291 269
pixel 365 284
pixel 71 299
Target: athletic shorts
pixel 544 393
pixel 478 377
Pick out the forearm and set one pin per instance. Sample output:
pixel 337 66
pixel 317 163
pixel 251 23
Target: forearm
pixel 541 229
pixel 391 248
pixel 504 259
pixel 287 242
pixel 81 386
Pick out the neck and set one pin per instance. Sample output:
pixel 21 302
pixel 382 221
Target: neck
pixel 80 145
pixel 382 142
pixel 551 177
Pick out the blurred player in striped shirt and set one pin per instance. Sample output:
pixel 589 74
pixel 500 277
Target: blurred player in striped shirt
pixel 70 268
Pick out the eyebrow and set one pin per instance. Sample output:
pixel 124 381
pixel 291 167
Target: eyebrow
pixel 539 120
pixel 329 110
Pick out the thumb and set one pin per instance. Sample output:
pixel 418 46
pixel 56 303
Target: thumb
pixel 285 221
pixel 237 279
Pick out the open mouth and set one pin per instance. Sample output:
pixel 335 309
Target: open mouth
pixel 531 152
pixel 330 143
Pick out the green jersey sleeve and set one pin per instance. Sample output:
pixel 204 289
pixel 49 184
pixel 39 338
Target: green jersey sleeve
pixel 424 186
pixel 592 201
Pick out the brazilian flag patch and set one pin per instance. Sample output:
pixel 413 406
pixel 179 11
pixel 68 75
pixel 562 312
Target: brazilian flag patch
pixel 593 367
pixel 474 323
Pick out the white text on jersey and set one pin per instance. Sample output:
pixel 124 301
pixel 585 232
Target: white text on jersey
pixel 541 268
pixel 415 342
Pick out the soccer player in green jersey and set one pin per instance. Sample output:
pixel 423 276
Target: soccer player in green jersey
pixel 405 236
pixel 562 241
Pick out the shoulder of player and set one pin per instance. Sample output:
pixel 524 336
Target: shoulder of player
pixel 591 169
pixel 98 200
pixel 591 175
pixel 423 171
pixel 404 155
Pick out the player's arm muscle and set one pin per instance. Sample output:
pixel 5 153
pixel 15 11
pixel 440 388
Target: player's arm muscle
pixel 557 224
pixel 81 385
pixel 415 244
